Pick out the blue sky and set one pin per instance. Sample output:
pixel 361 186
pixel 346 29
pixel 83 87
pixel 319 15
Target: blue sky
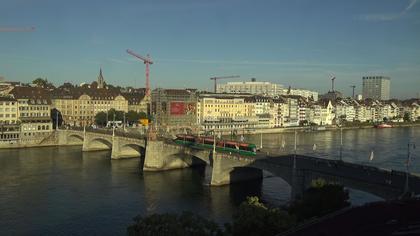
pixel 291 42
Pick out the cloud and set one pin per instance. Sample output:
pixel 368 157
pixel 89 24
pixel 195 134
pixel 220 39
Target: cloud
pixel 411 5
pixel 388 16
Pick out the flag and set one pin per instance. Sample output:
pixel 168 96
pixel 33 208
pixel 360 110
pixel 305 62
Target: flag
pixel 371 156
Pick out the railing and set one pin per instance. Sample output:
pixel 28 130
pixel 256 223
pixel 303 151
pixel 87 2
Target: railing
pixel 120 133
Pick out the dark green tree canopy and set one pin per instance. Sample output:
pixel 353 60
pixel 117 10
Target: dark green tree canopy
pixel 43 83
pixel 185 224
pixel 320 199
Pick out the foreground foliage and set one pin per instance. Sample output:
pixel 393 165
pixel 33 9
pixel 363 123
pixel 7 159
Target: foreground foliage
pixel 320 199
pixel 251 218
pixel 185 224
pixel 254 218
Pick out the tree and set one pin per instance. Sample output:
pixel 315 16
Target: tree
pixel 303 123
pixel 43 83
pixel 100 118
pixel 407 117
pixel 119 115
pixel 143 115
pixel 56 118
pixel 254 218
pixel 321 198
pixel 132 117
pixel 187 224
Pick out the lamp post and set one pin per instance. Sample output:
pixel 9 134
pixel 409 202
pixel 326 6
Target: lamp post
pixel 410 145
pixel 294 177
pixel 214 144
pixel 341 143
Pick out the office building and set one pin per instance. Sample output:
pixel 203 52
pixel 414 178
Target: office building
pixel 252 87
pixel 376 87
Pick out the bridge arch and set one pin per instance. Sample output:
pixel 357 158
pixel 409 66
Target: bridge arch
pixel 75 139
pixel 132 150
pixel 100 144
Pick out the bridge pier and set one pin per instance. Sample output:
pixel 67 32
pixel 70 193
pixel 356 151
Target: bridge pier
pixel 165 156
pixel 225 170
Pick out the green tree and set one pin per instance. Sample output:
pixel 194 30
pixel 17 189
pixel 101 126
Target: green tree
pixel 56 117
pixel 43 83
pixel 254 218
pixel 119 115
pixel 132 117
pixel 320 199
pixel 143 115
pixel 185 224
pixel 100 118
pixel 407 117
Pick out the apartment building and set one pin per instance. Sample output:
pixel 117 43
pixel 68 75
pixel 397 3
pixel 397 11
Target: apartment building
pixel 9 120
pixel 34 108
pixel 78 106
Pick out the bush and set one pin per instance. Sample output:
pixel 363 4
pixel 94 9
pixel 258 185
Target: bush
pixel 320 199
pixel 254 218
pixel 185 224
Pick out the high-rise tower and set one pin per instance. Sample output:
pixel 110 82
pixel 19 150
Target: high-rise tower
pixel 376 87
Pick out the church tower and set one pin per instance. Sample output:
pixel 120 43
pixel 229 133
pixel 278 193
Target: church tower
pixel 101 81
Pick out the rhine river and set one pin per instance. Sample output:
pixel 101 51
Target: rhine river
pixel 60 190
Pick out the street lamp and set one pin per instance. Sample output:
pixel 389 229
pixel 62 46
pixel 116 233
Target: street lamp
pixel 341 143
pixel 410 145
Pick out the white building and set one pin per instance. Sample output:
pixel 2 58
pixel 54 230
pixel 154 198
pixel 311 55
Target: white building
pixel 252 87
pixel 345 110
pixel 303 93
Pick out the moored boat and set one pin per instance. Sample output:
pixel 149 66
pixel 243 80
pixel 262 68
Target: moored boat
pixel 384 126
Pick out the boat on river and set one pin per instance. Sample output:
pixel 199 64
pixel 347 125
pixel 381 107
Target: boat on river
pixel 380 126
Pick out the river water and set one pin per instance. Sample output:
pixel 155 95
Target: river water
pixel 60 190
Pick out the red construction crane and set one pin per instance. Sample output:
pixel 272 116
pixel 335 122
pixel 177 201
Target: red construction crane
pixel 146 61
pixel 222 77
pixel 16 29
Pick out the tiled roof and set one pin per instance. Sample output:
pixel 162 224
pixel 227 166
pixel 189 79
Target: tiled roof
pixel 35 95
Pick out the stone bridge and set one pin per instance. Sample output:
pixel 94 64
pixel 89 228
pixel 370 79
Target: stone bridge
pixel 387 184
pixel 158 155
pixel 120 146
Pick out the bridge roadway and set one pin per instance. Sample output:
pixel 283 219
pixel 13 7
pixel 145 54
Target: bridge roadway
pixel 163 154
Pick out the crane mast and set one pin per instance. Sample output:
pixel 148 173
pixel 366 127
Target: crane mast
pixel 222 77
pixel 147 61
pixel 353 87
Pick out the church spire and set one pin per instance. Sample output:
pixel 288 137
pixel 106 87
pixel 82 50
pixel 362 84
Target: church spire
pixel 101 81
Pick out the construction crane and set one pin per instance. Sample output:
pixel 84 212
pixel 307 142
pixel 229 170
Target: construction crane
pixel 222 77
pixel 353 87
pixel 16 29
pixel 147 61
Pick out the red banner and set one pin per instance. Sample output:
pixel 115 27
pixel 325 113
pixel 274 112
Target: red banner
pixel 177 108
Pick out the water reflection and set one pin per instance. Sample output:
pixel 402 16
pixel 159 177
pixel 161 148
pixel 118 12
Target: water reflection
pixel 389 145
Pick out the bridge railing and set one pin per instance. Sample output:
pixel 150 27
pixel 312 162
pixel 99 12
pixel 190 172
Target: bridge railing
pixel 118 132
